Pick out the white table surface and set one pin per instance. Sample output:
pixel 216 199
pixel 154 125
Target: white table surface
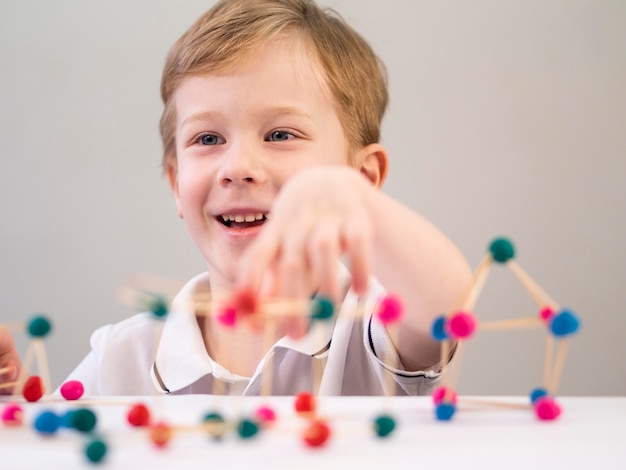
pixel 589 434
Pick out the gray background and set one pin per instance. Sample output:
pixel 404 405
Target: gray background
pixel 506 118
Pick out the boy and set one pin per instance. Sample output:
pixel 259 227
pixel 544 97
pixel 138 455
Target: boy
pixel 271 124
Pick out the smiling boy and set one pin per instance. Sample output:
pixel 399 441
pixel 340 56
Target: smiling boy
pixel 271 133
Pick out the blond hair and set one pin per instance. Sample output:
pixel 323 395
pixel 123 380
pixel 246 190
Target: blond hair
pixel 229 32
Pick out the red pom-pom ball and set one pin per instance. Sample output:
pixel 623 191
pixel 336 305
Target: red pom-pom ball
pixel 138 415
pixel 316 434
pixel 305 403
pixel 33 388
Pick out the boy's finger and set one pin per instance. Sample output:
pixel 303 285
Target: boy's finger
pixel 358 247
pixel 323 253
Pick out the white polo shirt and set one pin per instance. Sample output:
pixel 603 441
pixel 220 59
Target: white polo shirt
pixel 142 354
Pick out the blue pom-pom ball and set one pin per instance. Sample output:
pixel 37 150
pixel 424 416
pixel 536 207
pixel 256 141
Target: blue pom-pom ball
pixel 564 323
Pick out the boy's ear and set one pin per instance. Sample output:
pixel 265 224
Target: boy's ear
pixel 374 163
pixel 172 178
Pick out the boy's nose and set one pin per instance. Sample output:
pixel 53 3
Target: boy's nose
pixel 240 166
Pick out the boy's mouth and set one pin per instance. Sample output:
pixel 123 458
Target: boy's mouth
pixel 243 220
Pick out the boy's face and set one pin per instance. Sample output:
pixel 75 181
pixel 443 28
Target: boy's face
pixel 240 135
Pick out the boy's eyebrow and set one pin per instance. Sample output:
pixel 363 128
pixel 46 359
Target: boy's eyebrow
pixel 276 111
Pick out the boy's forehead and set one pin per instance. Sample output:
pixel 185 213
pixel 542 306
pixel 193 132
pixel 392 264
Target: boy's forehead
pixel 289 52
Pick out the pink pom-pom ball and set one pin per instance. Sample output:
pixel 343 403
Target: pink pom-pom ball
pixel 444 395
pixel 228 316
pixel 265 415
pixel 390 309
pixel 547 409
pixel 12 415
pixel 462 325
pixel 72 390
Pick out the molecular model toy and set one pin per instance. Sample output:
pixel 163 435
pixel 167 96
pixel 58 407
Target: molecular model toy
pixel 452 330
pixel 460 324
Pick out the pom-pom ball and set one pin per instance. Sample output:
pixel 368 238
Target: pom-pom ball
pixel 72 390
pixel 564 323
pixel 316 433
pixel 445 411
pixel 12 415
pixel 546 313
pixel 33 388
pixel 39 326
pixel 215 425
pixel 536 394
pixel 461 325
pixel 158 307
pixel 95 450
pixel 305 404
pixel 547 409
pixel 390 309
pixel 438 329
pixel 246 428
pixel 138 415
pixel 444 395
pixel 502 250
pixel 322 309
pixel 227 316
pixel 265 415
pixel 83 420
pixel 384 425
pixel 160 434
pixel 47 422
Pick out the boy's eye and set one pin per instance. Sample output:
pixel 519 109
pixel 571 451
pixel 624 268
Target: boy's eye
pixel 277 136
pixel 210 139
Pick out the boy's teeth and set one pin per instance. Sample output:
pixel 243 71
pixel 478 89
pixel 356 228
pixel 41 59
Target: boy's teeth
pixel 239 218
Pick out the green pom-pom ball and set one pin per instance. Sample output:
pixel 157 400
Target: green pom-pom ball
pixel 95 450
pixel 39 326
pixel 322 309
pixel 384 425
pixel 502 250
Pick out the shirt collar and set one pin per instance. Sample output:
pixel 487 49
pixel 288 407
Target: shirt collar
pixel 182 358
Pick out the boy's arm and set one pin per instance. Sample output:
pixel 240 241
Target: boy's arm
pixel 9 360
pixel 417 262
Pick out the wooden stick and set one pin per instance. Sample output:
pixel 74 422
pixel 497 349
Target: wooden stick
pixel 14 327
pixel 268 370
pixel 445 360
pixel 452 380
pixel 4 370
pixel 558 366
pixel 42 362
pixel 480 277
pixel 478 401
pixel 513 323
pixel 461 300
pixel 541 298
pixel 12 384
pixel 548 361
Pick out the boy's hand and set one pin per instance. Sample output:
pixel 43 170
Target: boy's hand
pixel 10 362
pixel 319 216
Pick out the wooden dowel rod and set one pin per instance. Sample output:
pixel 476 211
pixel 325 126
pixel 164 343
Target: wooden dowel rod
pixel 547 370
pixel 478 401
pixel 479 282
pixel 537 293
pixel 513 323
pixel 467 290
pixel 558 366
